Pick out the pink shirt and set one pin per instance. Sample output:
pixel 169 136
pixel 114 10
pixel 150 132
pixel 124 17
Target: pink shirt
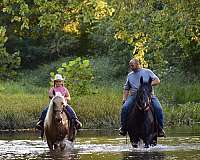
pixel 64 91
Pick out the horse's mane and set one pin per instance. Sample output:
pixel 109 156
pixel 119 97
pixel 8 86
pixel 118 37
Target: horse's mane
pixel 144 87
pixel 48 118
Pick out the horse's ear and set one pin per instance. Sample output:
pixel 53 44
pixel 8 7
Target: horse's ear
pixel 141 80
pixel 150 80
pixel 54 93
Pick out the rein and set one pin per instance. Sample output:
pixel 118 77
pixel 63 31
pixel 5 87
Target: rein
pixel 139 98
pixel 58 110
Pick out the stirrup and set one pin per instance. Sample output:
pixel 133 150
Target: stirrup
pixel 122 131
pixel 78 124
pixel 161 133
pixel 39 125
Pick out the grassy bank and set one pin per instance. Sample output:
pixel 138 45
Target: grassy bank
pixel 21 104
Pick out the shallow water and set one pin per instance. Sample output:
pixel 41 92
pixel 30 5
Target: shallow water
pixel 180 144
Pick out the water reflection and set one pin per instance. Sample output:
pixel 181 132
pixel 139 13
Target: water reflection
pixel 61 155
pixel 143 156
pixel 100 145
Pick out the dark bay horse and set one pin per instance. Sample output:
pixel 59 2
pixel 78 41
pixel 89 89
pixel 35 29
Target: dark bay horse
pixel 57 125
pixel 142 124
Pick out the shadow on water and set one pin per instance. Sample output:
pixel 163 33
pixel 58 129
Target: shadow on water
pixel 102 145
pixel 143 156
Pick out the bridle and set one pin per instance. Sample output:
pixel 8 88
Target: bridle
pixel 58 110
pixel 143 99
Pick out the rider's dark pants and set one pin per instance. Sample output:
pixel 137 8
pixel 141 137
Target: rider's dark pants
pixel 127 106
pixel 72 114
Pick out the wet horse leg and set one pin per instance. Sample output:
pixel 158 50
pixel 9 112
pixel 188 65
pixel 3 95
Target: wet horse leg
pixel 62 145
pixel 50 144
pixel 154 141
pixel 146 142
pixel 55 145
pixel 134 142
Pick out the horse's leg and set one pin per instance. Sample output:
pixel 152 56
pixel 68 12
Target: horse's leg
pixel 55 145
pixel 72 134
pixel 146 145
pixel 62 145
pixel 146 142
pixel 134 142
pixel 50 144
pixel 154 141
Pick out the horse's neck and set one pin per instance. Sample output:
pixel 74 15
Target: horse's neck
pixel 138 100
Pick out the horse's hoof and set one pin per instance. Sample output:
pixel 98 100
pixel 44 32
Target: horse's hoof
pixel 153 144
pixel 62 147
pixel 134 145
pixel 146 146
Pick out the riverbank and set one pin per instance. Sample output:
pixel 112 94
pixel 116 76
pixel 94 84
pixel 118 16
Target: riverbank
pixel 20 109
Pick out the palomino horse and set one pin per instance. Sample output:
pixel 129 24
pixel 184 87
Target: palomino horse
pixel 142 124
pixel 57 125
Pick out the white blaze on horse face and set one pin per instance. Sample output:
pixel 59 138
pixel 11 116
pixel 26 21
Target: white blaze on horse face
pixel 60 95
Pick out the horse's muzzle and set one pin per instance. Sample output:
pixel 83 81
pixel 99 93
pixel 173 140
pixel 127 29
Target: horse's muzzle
pixel 59 120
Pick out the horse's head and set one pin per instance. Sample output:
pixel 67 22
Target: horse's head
pixel 144 94
pixel 56 125
pixel 59 104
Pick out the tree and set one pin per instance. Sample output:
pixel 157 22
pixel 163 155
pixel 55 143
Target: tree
pixel 9 63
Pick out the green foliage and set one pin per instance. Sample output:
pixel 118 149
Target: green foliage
pixel 105 45
pixel 163 34
pixel 78 74
pixel 185 92
pixel 186 114
pixel 8 62
pixel 18 12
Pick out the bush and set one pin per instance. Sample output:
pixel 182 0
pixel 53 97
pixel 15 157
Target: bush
pixel 78 74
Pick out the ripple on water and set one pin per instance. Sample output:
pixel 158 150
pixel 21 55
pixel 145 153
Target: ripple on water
pixel 31 148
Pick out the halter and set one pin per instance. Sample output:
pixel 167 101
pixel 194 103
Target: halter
pixel 59 110
pixel 139 99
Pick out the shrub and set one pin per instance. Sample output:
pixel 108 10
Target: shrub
pixel 78 74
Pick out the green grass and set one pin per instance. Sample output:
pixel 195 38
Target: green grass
pixel 20 107
pixel 20 104
pixel 185 114
pixel 179 93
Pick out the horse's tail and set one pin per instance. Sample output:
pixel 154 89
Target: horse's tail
pixel 48 118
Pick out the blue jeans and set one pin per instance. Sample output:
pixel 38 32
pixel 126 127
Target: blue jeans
pixel 127 106
pixel 72 114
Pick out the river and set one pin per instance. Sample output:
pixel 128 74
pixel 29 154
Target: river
pixel 180 144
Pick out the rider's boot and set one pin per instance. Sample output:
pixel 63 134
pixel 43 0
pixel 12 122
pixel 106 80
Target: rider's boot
pixel 39 125
pixel 78 124
pixel 161 133
pixel 122 131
